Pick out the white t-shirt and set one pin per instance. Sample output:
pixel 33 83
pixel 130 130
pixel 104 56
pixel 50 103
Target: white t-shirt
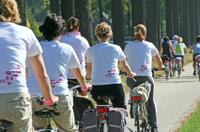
pixel 104 58
pixel 58 58
pixel 80 45
pixel 139 56
pixel 16 44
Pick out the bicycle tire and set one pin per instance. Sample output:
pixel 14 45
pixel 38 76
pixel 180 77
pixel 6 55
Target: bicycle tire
pixel 137 118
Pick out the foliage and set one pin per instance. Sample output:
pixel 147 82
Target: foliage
pixel 36 12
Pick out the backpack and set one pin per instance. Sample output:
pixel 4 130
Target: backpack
pixel 117 120
pixel 197 49
pixel 179 48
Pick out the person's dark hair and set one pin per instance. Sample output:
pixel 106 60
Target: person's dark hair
pixel 166 38
pixel 72 23
pixel 53 26
pixel 198 38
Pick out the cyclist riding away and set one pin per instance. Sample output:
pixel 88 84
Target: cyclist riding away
pixel 196 51
pixel 180 49
pixel 18 45
pixel 102 66
pixel 58 57
pixel 167 51
pixel 139 55
pixel 79 44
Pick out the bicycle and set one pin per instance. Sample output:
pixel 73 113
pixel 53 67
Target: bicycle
pixel 81 103
pixel 46 113
pixel 138 106
pixel 177 66
pixel 5 125
pixel 103 111
pixel 197 58
pixel 166 65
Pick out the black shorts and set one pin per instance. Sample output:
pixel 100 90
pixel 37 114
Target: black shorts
pixel 114 90
pixel 166 57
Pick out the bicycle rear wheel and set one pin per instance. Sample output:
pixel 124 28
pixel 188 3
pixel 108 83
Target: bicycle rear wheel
pixel 137 118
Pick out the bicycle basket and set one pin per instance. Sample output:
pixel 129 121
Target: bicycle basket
pixel 142 91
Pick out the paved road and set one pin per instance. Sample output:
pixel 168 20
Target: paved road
pixel 175 98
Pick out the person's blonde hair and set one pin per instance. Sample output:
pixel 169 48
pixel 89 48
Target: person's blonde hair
pixel 180 39
pixel 140 32
pixel 9 11
pixel 103 30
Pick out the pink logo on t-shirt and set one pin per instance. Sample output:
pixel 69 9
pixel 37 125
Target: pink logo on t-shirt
pixel 111 72
pixel 10 75
pixel 142 68
pixel 55 82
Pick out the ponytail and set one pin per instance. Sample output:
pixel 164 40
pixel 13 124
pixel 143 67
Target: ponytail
pixel 140 32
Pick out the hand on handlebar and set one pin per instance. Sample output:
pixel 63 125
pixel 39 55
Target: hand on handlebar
pixel 50 102
pixel 85 89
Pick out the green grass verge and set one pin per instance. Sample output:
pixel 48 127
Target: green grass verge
pixel 192 123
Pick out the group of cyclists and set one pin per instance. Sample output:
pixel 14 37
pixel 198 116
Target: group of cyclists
pixel 30 68
pixel 170 49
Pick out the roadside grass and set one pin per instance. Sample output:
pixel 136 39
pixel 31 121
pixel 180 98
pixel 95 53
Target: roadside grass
pixel 192 122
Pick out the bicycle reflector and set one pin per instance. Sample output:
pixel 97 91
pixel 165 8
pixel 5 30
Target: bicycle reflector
pixel 102 109
pixel 136 98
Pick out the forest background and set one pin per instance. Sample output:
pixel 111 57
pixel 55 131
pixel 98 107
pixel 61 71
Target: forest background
pixel 162 17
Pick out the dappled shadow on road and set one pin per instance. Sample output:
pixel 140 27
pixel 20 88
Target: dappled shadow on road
pixel 182 79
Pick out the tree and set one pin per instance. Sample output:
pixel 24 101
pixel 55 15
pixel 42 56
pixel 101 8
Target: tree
pixel 55 6
pixel 100 10
pixel 153 21
pixel 68 8
pixel 82 11
pixel 186 22
pixel 22 10
pixel 169 18
pixel 117 22
pixel 138 12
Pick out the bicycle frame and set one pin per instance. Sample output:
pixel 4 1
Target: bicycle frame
pixel 166 65
pixel 102 113
pixel 198 65
pixel 177 66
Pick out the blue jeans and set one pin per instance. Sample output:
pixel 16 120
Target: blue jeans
pixel 152 110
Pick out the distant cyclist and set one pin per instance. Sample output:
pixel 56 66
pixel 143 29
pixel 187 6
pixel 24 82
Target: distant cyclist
pixel 174 40
pixel 196 51
pixel 140 53
pixel 73 38
pixel 103 61
pixel 180 49
pixel 167 51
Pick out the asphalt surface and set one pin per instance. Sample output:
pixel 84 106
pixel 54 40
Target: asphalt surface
pixel 176 98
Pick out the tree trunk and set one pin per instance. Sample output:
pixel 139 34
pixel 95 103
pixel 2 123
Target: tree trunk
pixel 138 15
pixel 153 22
pixel 117 22
pixel 175 10
pixel 55 6
pixel 169 18
pixel 186 22
pixel 82 12
pixel 67 8
pixel 100 10
pixel 22 4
